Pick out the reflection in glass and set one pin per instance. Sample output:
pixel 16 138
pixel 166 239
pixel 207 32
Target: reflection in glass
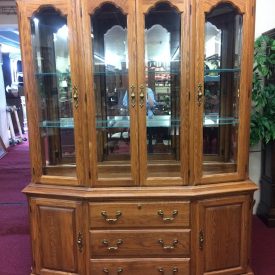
pixel 162 72
pixel 53 81
pixel 223 36
pixel 110 61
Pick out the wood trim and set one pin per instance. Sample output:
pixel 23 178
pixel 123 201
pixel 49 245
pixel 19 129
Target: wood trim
pixel 243 129
pixel 238 4
pixel 128 8
pixel 143 7
pixel 123 5
pixel 113 193
pixel 30 91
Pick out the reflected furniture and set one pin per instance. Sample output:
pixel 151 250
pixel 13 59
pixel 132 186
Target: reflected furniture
pixel 139 135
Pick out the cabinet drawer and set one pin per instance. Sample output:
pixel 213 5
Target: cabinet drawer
pixel 140 214
pixel 140 243
pixel 140 267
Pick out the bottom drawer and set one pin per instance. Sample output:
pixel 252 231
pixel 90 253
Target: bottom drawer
pixel 140 267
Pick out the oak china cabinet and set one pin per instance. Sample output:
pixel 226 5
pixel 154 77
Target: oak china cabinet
pixel 138 115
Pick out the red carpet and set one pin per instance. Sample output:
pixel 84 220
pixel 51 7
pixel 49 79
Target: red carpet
pixel 15 248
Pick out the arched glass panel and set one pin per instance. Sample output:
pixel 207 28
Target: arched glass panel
pixel 222 70
pixel 162 73
pixel 110 64
pixel 54 89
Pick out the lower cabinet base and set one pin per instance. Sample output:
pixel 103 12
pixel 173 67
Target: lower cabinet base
pixel 178 234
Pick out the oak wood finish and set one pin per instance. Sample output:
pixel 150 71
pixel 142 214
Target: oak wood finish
pixel 130 243
pixel 137 266
pixel 56 225
pixel 141 214
pixel 169 223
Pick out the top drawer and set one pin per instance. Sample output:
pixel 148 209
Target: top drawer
pixel 139 214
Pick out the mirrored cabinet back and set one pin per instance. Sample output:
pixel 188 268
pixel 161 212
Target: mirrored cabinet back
pixel 139 135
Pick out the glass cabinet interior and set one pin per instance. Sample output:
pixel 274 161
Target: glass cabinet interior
pixel 54 91
pixel 111 91
pixel 222 72
pixel 162 36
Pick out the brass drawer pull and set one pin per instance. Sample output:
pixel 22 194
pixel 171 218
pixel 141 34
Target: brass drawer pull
pixel 166 219
pixel 75 97
pixel 175 270
pixel 133 96
pixel 168 247
pixel 200 94
pixel 141 96
pixel 80 242
pixel 201 239
pixel 112 248
pixel 119 270
pixel 111 220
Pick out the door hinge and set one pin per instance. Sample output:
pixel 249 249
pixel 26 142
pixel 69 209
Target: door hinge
pixel 89 174
pixel 85 98
pixel 33 171
pixel 190 9
pixel 189 96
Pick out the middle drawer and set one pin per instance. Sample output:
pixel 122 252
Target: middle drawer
pixel 139 214
pixel 140 243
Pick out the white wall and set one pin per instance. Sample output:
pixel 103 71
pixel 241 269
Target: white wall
pixel 265 16
pixel 265 21
pixel 3 115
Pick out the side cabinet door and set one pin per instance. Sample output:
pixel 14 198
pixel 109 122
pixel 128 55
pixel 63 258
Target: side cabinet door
pixel 223 235
pixel 57 237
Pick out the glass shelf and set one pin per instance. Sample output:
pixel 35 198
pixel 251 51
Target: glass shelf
pixel 124 122
pixel 214 120
pixel 62 123
pixel 234 70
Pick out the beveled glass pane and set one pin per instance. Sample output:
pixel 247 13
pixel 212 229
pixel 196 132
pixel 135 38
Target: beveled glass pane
pixel 110 61
pixel 223 36
pixel 162 72
pixel 54 89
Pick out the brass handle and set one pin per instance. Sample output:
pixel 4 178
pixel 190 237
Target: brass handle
pixel 111 220
pixel 133 96
pixel 166 219
pixel 141 96
pixel 75 96
pixel 112 248
pixel 80 242
pixel 201 239
pixel 175 270
pixel 168 247
pixel 200 94
pixel 119 270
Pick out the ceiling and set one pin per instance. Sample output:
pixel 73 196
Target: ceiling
pixel 8 36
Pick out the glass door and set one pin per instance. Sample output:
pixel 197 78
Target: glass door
pixel 52 87
pixel 163 104
pixel 109 33
pixel 221 92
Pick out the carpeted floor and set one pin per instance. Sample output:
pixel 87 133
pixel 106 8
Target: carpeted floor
pixel 15 249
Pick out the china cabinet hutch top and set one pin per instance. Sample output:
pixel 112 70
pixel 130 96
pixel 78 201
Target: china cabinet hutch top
pixel 137 93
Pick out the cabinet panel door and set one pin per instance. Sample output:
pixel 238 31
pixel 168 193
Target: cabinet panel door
pixel 222 89
pixel 57 229
pixel 222 236
pixel 110 57
pixel 54 102
pixel 162 45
